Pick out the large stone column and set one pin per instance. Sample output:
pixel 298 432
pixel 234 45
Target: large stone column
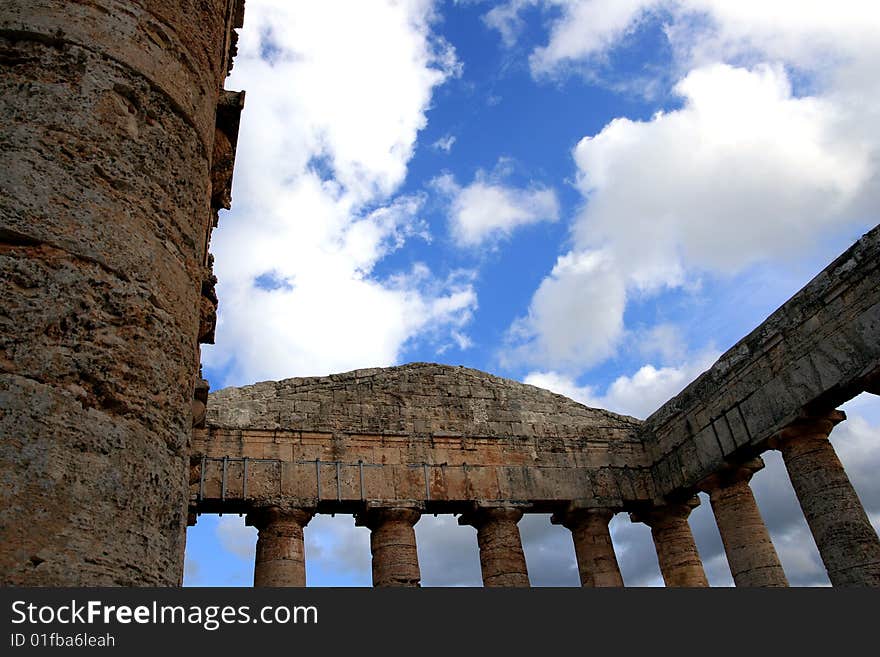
pixel 502 560
pixel 393 545
pixel 846 540
pixel 596 560
pixel 108 114
pixel 677 552
pixel 750 553
pixel 280 558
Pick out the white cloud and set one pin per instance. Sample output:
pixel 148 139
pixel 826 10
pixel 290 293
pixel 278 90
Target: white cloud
pixel 662 340
pixel 487 209
pixel 742 172
pixel 334 107
pixel 586 28
pixel 575 318
pixel 805 33
pixel 444 144
pixel 638 395
pixel 747 170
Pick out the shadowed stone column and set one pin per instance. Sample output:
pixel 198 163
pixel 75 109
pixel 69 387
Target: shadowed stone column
pixel 846 540
pixel 677 552
pixel 750 553
pixel 596 560
pixel 280 559
pixel 393 545
pixel 502 560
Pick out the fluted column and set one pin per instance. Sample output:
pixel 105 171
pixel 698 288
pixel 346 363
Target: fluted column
pixel 596 560
pixel 847 542
pixel 393 545
pixel 750 553
pixel 502 560
pixel 677 552
pixel 280 558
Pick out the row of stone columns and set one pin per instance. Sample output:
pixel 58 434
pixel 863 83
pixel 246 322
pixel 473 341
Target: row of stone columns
pixel 847 542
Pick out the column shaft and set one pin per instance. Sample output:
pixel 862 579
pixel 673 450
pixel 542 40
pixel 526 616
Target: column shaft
pixel 502 560
pixel 677 552
pixel 750 553
pixel 393 546
pixel 280 558
pixel 848 544
pixel 593 548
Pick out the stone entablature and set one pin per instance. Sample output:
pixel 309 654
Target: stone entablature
pixel 425 433
pixel 820 349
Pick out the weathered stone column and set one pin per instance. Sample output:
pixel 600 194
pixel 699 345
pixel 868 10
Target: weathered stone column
pixel 502 560
pixel 393 545
pixel 677 552
pixel 280 558
pixel 108 113
pixel 750 553
pixel 596 560
pixel 846 540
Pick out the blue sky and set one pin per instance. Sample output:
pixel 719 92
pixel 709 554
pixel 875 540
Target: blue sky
pixel 594 196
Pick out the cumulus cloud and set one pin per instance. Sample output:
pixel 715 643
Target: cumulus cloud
pixel 744 170
pixel 805 33
pixel 749 168
pixel 575 318
pixel 331 122
pixel 487 209
pixel 637 395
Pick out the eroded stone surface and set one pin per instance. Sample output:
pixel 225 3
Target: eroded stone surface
pixel 750 553
pixel 847 542
pixel 677 552
pixel 597 562
pixel 280 556
pixel 502 560
pixel 107 111
pixel 429 433
pixel 393 545
pixel 818 350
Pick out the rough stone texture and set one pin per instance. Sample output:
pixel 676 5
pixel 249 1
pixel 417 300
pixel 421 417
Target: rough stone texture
pixel 820 349
pixel 677 553
pixel 750 553
pixel 597 563
pixel 848 544
pixel 502 560
pixel 108 113
pixel 433 434
pixel 280 557
pixel 393 545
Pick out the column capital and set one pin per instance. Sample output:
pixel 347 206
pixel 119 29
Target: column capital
pixel 372 517
pixel 810 427
pixel 480 515
pixel 575 516
pixel 262 517
pixel 672 512
pixel 730 474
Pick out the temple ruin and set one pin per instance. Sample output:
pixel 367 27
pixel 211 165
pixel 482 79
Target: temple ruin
pixel 388 445
pixel 120 141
